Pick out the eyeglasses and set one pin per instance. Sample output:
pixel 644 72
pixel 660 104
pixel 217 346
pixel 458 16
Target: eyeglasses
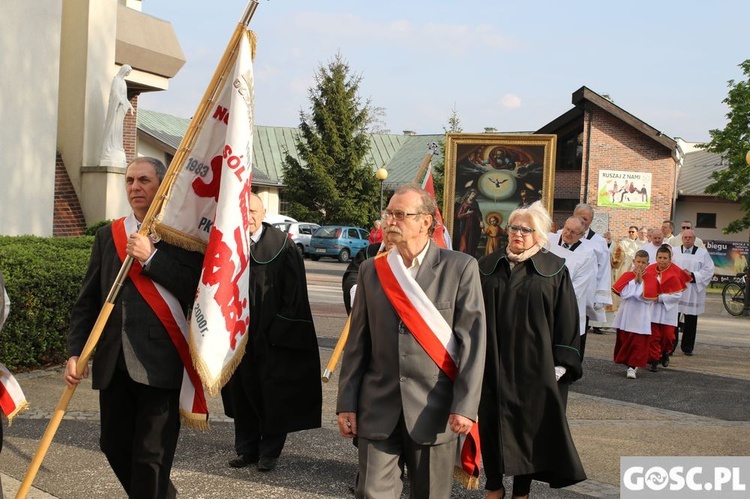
pixel 631 231
pixel 525 231
pixel 685 227
pixel 399 215
pixel 567 229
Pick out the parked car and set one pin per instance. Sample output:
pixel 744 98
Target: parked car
pixel 300 233
pixel 273 218
pixel 337 241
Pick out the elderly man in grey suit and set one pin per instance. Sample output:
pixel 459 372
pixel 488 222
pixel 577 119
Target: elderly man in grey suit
pixel 412 371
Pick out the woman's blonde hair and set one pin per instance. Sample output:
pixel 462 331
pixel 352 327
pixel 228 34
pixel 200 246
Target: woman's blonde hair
pixel 539 219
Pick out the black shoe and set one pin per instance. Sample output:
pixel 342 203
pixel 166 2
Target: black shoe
pixel 652 367
pixel 266 463
pixel 243 460
pixel 665 360
pixel 689 354
pixel 598 330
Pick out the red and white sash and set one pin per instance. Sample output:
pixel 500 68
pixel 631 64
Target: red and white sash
pixel 165 305
pixel 12 399
pixel 435 335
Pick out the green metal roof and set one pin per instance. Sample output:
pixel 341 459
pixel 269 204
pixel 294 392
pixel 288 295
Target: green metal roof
pixel 401 155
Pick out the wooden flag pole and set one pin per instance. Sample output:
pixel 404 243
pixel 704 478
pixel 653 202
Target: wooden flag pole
pixel 186 146
pixel 339 348
pixel 432 150
pixel 331 367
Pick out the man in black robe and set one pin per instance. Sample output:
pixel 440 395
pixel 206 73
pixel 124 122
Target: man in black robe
pixel 276 388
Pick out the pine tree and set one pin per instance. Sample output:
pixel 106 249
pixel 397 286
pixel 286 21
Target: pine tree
pixel 332 183
pixel 733 143
pixel 438 164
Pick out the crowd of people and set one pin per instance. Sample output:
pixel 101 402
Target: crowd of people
pixel 661 285
pixel 438 341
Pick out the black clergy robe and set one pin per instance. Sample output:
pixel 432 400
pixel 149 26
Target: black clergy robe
pixel 532 326
pixel 280 370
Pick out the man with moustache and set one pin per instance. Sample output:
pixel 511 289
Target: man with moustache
pixel 413 365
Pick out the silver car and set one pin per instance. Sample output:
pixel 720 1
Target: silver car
pixel 300 233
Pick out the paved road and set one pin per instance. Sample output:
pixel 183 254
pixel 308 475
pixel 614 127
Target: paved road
pixel 698 406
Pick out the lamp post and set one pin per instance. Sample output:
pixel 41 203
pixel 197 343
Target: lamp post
pixel 381 175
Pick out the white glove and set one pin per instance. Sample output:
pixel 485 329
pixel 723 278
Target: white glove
pixel 559 372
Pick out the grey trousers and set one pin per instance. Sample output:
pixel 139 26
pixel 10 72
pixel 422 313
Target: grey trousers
pixel 430 467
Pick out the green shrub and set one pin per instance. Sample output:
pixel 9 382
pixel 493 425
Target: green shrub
pixel 91 229
pixel 43 277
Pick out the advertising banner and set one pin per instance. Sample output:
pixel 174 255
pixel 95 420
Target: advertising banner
pixel 730 258
pixel 624 189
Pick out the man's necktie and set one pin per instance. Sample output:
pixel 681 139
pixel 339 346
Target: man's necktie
pixel 566 246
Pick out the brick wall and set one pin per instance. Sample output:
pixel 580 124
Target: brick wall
pixel 68 216
pixel 567 184
pixel 618 146
pixel 129 129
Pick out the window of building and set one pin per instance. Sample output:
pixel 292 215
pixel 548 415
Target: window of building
pixel 705 220
pixel 565 205
pixel 283 203
pixel 570 151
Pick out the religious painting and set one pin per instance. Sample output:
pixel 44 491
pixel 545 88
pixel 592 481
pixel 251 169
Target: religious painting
pixel 621 189
pixel 487 176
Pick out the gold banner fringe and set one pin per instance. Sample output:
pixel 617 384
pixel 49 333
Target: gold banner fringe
pixel 180 239
pixel 214 388
pixel 194 421
pixel 24 405
pixel 469 482
pixel 253 39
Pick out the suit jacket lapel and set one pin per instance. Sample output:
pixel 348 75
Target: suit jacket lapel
pixel 426 277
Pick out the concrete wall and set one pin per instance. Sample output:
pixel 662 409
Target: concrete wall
pixel 29 71
pixel 86 71
pixel 725 213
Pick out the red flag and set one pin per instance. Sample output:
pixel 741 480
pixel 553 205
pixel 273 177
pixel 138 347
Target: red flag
pixel 440 236
pixel 12 400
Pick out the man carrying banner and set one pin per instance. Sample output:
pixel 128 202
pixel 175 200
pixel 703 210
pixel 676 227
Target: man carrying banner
pixel 276 388
pixel 142 358
pixel 412 371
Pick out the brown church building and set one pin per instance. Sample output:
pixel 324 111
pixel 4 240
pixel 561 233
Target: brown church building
pixel 596 135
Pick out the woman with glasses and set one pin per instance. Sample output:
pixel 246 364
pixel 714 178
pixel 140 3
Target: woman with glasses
pixel 532 355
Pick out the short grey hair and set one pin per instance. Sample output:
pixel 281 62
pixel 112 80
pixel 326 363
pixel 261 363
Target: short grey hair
pixel 540 219
pixel 584 206
pixel 159 168
pixel 426 202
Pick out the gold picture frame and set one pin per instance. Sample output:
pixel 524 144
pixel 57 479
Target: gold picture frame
pixel 488 176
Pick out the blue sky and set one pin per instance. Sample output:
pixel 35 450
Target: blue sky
pixel 508 65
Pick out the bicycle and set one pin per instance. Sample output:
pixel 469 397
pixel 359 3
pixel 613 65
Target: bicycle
pixel 733 296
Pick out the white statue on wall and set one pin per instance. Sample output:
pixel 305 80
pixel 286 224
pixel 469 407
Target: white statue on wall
pixel 112 152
